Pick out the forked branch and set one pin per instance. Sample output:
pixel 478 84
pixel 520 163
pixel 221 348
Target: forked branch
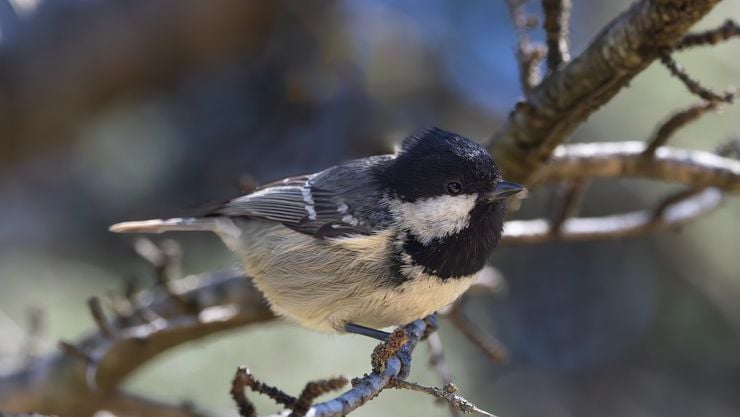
pixel 387 368
pixel 565 98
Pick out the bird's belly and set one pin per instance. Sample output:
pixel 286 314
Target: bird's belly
pixel 324 285
pixel 412 300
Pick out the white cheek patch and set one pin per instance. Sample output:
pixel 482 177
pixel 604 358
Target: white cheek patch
pixel 437 217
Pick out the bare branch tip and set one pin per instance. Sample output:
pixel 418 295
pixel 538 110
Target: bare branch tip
pixel 314 390
pixel 571 198
pixel 727 31
pixel 557 14
pixel 491 347
pixel 242 379
pixel 96 311
pixel 448 393
pixel 675 122
pixel 149 251
pixel 528 54
pixel 694 86
pixel 73 350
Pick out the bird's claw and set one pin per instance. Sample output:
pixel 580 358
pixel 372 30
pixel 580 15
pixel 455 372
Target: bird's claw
pixel 432 325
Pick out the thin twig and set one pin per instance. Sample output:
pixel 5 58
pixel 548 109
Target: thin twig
pixel 728 149
pixel 96 310
pixel 524 144
pixel 138 312
pixel 76 352
pixel 238 384
pixel 659 212
pixel 486 343
pixel 437 359
pixel 691 84
pixel 35 335
pixel 557 14
pixel 447 393
pixel 121 308
pixel 166 260
pixel 727 31
pixel 313 390
pixel 438 362
pixel 370 385
pixel 528 54
pixel 173 259
pixel 570 203
pixel 676 122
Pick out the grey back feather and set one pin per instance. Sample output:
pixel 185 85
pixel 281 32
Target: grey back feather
pixel 342 200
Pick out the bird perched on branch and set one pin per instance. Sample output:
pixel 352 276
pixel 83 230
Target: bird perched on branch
pixel 371 243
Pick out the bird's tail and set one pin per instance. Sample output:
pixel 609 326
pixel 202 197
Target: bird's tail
pixel 208 224
pixel 224 227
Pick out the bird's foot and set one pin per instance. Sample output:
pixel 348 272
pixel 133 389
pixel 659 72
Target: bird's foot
pixel 394 345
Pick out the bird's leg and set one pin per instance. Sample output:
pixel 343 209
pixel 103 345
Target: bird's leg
pixel 366 331
pixel 432 325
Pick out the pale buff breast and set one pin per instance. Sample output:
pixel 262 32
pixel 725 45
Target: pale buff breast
pixel 292 271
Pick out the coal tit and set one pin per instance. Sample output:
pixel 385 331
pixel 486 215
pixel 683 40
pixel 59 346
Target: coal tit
pixel 371 243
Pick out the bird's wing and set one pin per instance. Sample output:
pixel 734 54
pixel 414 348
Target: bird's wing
pixel 301 204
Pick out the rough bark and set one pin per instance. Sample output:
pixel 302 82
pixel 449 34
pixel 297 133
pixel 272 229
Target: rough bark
pixel 567 97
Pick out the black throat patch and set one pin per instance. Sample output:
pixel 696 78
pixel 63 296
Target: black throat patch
pixel 458 255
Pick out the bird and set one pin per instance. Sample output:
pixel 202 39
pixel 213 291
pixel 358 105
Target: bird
pixel 368 244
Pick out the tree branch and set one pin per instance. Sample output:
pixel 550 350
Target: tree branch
pixel 369 386
pixel 670 214
pixel 691 84
pixel 676 122
pixel 492 348
pixel 727 31
pixel 438 362
pixel 387 373
pixel 447 394
pixel 625 159
pixel 568 96
pixel 528 54
pixel 571 199
pixel 83 378
pixel 557 13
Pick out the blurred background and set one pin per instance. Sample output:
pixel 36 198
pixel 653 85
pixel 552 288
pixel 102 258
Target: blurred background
pixel 639 327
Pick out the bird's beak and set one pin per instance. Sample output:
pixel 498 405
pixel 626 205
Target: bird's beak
pixel 504 189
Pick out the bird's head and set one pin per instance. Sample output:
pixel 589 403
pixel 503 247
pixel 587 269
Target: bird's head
pixel 440 182
pixel 448 197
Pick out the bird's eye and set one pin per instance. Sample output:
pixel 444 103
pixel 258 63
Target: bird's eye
pixel 454 187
